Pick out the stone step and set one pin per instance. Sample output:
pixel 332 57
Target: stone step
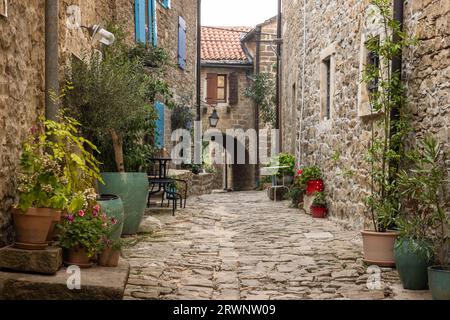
pixel 96 283
pixel 47 261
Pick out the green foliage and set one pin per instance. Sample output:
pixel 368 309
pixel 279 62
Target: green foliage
pixel 284 159
pixel 422 189
pixel 320 199
pixel 117 94
pixel 56 164
pixel 386 151
pixel 84 229
pixel 262 92
pixel 182 116
pixel 310 173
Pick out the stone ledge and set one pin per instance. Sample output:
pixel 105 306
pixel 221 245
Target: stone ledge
pixel 47 261
pixel 97 283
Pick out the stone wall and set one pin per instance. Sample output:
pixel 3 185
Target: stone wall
pixel 339 145
pixel 22 83
pixel 21 92
pixel 197 184
pixel 182 82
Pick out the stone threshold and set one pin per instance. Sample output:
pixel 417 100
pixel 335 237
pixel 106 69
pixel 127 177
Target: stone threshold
pixel 96 283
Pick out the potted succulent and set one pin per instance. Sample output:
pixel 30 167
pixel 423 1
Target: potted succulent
pixel 114 99
pixel 312 177
pixel 421 191
pixel 54 164
pixel 319 205
pixel 81 232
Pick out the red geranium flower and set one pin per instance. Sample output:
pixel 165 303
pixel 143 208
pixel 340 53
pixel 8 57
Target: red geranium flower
pixel 81 213
pixel 299 171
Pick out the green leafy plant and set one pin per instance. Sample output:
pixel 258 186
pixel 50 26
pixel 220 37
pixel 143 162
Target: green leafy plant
pixel 422 189
pixel 114 98
pixel 310 173
pixel 320 199
pixel 284 160
pixel 387 99
pixel 262 92
pixel 182 116
pixel 84 229
pixel 56 164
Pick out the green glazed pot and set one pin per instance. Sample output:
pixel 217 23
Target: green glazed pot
pixel 412 259
pixel 439 281
pixel 132 188
pixel 112 206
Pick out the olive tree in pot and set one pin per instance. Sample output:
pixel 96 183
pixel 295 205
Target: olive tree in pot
pixel 113 97
pixel 421 193
pixel 389 128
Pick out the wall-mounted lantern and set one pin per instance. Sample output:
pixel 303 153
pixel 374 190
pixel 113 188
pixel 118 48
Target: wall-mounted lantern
pixel 98 33
pixel 214 119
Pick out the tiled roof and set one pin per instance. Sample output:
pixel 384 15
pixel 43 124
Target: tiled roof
pixel 223 44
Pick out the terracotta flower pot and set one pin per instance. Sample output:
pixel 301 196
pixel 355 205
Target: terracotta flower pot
pixel 318 212
pixel 313 186
pixel 32 227
pixel 109 258
pixel 77 257
pixel 379 247
pixel 53 231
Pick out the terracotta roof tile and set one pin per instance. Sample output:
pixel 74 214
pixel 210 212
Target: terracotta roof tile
pixel 223 44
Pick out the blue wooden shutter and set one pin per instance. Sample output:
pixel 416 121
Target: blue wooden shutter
pixel 159 135
pixel 139 16
pixel 166 4
pixel 152 28
pixel 181 43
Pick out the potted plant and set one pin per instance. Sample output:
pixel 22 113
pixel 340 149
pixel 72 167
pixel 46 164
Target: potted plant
pixel 297 190
pixel 319 205
pixel 81 232
pixel 112 206
pixel 114 100
pixel 311 177
pixel 421 192
pixel 110 246
pixel 54 164
pixel 426 185
pixel 389 127
pixel 286 160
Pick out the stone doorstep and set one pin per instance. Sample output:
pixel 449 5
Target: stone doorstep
pixel 47 261
pixel 97 283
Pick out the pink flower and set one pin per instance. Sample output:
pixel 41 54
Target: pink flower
pixel 104 217
pixel 70 218
pixel 113 221
pixel 96 207
pixel 299 171
pixel 81 213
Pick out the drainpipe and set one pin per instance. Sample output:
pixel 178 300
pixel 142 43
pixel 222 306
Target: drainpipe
pixel 278 86
pixel 51 57
pixel 257 72
pixel 397 61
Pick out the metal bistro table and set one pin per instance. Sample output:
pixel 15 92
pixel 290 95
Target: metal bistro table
pixel 273 171
pixel 165 184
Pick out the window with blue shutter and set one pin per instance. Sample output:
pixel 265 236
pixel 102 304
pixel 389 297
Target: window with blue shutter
pixel 159 134
pixel 139 16
pixel 165 3
pixel 181 43
pixel 145 21
pixel 153 28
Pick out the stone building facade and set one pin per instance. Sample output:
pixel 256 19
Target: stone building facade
pixel 226 71
pixel 181 81
pixel 22 58
pixel 325 40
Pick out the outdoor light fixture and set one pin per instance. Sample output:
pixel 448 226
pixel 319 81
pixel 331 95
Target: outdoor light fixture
pixel 214 119
pixel 98 33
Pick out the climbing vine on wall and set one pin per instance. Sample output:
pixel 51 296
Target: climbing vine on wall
pixel 262 92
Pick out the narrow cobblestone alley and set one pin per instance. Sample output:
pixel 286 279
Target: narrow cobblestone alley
pixel 243 246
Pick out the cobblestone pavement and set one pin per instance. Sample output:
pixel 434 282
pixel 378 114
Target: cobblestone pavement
pixel 243 246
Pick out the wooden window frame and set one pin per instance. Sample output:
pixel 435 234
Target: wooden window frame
pixel 225 87
pixel 327 82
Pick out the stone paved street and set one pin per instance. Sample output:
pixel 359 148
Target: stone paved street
pixel 243 246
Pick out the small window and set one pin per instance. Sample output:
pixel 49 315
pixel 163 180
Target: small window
pixel 145 22
pixel 221 88
pixel 182 43
pixel 373 62
pixel 326 84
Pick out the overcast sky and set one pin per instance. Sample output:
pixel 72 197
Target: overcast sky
pixel 237 12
